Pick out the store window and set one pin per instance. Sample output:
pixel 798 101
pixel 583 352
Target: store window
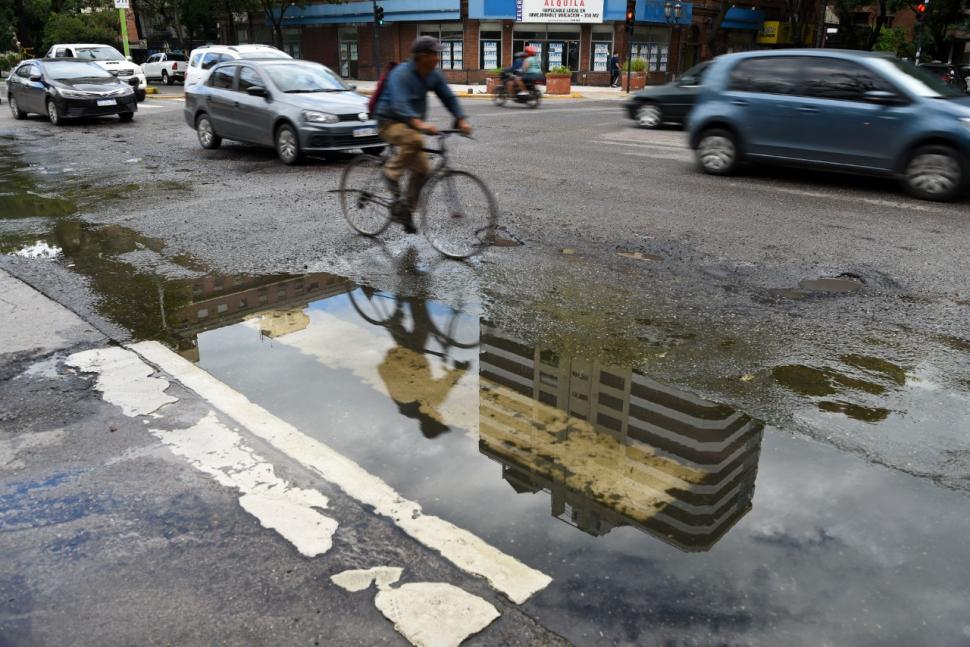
pixel 490 46
pixel 557 44
pixel 653 46
pixel 347 56
pixel 602 48
pixel 292 42
pixel 452 40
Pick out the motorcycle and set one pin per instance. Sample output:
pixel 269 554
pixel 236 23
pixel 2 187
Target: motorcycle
pixel 532 97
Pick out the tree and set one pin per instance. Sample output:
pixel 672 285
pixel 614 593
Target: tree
pixel 91 27
pixel 275 11
pixel 895 41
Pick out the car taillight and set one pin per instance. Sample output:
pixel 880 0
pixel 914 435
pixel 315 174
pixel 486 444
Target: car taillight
pixel 175 65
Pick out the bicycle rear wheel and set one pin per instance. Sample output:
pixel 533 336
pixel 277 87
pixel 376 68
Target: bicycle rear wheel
pixel 458 214
pixel 364 197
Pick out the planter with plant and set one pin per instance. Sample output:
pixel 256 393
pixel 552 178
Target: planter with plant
pixel 559 80
pixel 493 78
pixel 637 72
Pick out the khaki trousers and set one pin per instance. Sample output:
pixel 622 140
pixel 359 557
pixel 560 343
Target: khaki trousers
pixel 409 157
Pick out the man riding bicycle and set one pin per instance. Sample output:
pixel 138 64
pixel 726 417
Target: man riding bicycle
pixel 401 110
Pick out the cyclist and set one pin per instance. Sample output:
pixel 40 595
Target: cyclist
pixel 402 108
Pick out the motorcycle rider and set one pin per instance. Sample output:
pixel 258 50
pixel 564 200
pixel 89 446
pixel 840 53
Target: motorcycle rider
pixel 531 69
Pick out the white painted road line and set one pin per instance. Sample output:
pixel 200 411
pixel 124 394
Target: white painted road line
pixel 464 549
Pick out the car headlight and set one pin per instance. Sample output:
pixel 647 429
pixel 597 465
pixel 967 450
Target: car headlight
pixel 73 94
pixel 966 122
pixel 315 117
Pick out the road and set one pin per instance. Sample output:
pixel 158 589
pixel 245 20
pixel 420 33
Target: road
pixel 652 402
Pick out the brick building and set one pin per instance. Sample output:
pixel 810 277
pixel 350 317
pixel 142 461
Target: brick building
pixel 480 35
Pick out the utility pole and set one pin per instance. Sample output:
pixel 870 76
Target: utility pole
pixel 920 15
pixel 631 17
pixel 378 21
pixel 122 7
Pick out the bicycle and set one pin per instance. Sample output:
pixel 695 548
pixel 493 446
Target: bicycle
pixel 458 213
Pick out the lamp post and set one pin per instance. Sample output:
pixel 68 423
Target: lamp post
pixel 672 13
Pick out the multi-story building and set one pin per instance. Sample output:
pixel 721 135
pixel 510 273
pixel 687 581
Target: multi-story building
pixel 614 447
pixel 479 35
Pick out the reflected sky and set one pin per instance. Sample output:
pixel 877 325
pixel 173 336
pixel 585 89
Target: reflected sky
pixel 661 516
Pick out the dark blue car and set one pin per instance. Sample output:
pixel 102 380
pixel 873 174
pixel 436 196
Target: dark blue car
pixel 850 111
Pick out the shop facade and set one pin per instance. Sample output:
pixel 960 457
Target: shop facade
pixel 481 35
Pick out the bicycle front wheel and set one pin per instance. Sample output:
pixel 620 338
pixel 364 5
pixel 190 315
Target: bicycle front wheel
pixel 458 214
pixel 364 196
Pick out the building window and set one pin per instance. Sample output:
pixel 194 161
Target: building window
pixel 490 46
pixel 222 307
pixel 602 49
pixel 452 40
pixel 653 46
pixel 292 42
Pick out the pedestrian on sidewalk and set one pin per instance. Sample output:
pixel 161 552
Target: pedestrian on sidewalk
pixel 614 70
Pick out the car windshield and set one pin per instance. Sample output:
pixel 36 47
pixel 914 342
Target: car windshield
pixel 99 54
pixel 915 80
pixel 69 71
pixel 304 77
pixel 268 53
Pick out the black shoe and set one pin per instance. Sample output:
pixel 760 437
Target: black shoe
pixel 402 214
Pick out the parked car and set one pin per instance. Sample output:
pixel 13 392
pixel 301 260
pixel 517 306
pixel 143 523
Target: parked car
pixel 167 67
pixel 860 112
pixel 952 75
pixel 105 56
pixel 65 88
pixel 294 106
pixel 202 59
pixel 656 105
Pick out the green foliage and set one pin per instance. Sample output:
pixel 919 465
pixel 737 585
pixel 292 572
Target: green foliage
pixel 636 65
pixel 897 41
pixel 495 71
pixel 94 27
pixel 9 60
pixel 560 69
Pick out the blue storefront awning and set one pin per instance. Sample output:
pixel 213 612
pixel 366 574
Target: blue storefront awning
pixel 647 11
pixel 363 12
pixel 742 18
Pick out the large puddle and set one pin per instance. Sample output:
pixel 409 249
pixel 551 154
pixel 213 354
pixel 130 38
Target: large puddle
pixel 662 517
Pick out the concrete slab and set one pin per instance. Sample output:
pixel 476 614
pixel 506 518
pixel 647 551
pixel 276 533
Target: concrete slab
pixel 29 321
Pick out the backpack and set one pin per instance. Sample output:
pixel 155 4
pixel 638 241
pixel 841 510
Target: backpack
pixel 386 72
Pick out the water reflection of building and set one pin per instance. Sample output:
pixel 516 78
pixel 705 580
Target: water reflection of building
pixel 613 447
pixel 277 301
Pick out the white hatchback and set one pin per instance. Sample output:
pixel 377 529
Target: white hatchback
pixel 202 59
pixel 104 56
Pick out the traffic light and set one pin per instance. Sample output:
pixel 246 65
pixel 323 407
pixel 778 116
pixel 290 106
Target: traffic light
pixel 631 6
pixel 378 14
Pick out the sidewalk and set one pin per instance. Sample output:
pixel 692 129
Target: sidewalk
pixel 465 91
pixel 135 508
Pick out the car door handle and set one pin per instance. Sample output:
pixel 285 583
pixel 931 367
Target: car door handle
pixel 235 104
pixel 807 109
pixel 739 102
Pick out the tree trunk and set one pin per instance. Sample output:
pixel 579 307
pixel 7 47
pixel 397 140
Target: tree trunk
pixel 715 28
pixel 880 23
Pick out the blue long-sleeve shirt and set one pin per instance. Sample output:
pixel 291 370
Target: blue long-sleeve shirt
pixel 405 94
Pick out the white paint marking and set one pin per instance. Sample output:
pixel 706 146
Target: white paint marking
pixel 513 111
pixel 462 548
pixel 435 614
pixel 428 614
pixel 214 449
pixel 358 580
pixel 123 379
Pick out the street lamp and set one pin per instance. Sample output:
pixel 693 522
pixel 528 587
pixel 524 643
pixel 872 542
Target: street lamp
pixel 672 13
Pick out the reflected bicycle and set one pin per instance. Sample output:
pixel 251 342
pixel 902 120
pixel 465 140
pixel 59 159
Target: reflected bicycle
pixel 456 211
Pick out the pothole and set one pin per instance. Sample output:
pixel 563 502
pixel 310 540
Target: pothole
pixel 845 283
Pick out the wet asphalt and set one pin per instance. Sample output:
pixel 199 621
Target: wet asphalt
pixel 630 259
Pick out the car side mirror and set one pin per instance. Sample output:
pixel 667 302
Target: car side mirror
pixel 133 82
pixel 884 98
pixel 351 87
pixel 129 59
pixel 257 91
pixel 687 80
pixel 36 77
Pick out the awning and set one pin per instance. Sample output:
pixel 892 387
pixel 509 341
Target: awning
pixel 363 12
pixel 647 11
pixel 743 18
